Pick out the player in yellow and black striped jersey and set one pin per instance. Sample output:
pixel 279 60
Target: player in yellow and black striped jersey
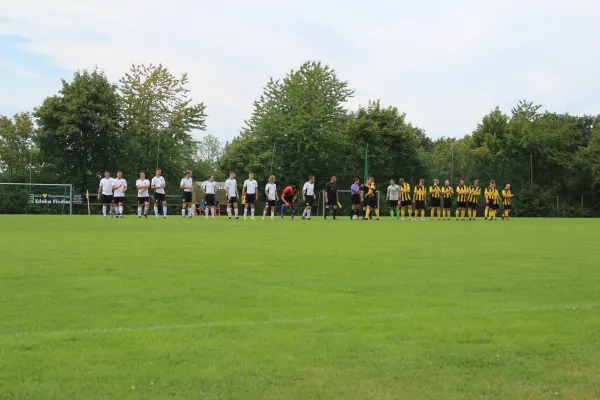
pixel 420 195
pixel 492 198
pixel 474 194
pixel 507 196
pixel 447 193
pixel 462 191
pixel 405 202
pixel 371 199
pixel 435 193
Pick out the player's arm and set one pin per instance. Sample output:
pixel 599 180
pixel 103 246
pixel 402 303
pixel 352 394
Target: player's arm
pixel 99 191
pixel 153 186
pixel 244 190
pixel 181 185
pixel 116 186
pixel 327 194
pixel 125 188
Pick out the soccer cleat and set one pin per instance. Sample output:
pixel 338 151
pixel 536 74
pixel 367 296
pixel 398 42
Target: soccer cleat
pixel 237 217
pixel 252 218
pixel 293 219
pixel 422 219
pixel 229 217
pixel 165 217
pixel 303 217
pixel 157 217
pixel 145 215
pixel 244 217
pixel 486 218
pixel 139 216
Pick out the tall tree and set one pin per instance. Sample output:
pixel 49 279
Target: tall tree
pixel 159 116
pixel 16 146
pixel 79 128
pixel 210 150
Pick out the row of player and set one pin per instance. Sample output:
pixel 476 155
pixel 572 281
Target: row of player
pixel 111 192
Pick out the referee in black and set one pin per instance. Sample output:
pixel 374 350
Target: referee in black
pixel 331 197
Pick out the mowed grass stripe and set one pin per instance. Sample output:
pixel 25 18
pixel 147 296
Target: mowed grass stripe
pixel 298 310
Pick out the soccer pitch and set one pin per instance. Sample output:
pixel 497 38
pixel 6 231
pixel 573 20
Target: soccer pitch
pixel 195 309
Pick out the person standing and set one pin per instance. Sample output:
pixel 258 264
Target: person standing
pixel 105 192
pixel 393 191
pixel 435 193
pixel 474 194
pixel 405 203
pixel 420 196
pixel 461 202
pixel 158 185
pixel 308 195
pixel 120 187
pixel 143 198
pixel 210 187
pixel 232 194
pixel 186 186
pixel 331 197
pixel 492 197
pixel 372 199
pixel 507 196
pixel 355 195
pixel 249 193
pixel 271 197
pixel 447 193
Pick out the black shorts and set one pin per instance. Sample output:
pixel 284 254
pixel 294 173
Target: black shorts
pixel 120 199
pixel 488 203
pixel 106 198
pixel 309 200
pixel 447 203
pixel 158 197
pixel 142 200
pixel 405 203
pixel 461 204
pixel 272 203
pixel 393 204
pixel 332 200
pixel 420 204
pixel 473 206
pixel 186 197
pixel 371 201
pixel 210 200
pixel 495 206
pixel 355 199
pixel 232 200
pixel 507 206
pixel 436 202
pixel 250 198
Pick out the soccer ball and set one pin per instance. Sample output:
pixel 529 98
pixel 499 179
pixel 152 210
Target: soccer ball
pixel 355 217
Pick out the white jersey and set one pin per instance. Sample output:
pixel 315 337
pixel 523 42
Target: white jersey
pixel 393 191
pixel 230 187
pixel 271 190
pixel 251 186
pixel 158 181
pixel 209 187
pixel 186 182
pixel 309 189
pixel 122 183
pixel 106 185
pixel 143 192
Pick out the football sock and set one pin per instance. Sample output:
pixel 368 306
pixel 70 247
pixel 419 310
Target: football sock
pixel 402 212
pixel 229 211
pixel 368 213
pixel 486 212
pixel 391 213
pixel 104 210
pixel 139 211
pixel 432 213
pixel 474 213
pixel 334 212
pixel 292 212
pixel 457 214
pixel 272 214
pixel 377 212
pixel 183 212
pixel 120 210
pixel 265 213
pixel 308 213
pixel 165 211
pixel 410 213
pixel 190 211
pixel 156 211
pixel 235 211
pixel 252 212
pixel 245 212
pixel 146 210
pixel 422 213
pixel 325 213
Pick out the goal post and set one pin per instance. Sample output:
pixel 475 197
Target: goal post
pixel 36 198
pixel 345 199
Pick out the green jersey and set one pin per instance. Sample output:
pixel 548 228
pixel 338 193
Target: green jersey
pixel 392 192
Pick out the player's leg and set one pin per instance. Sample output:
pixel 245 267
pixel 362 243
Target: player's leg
pixel 282 211
pixel 292 210
pixel 367 213
pixel 105 205
pixel 252 210
pixel 164 207
pixel 156 204
pixel 266 210
pixel 183 207
pixel 486 213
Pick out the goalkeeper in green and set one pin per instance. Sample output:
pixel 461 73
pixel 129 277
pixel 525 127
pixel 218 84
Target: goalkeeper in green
pixel 392 197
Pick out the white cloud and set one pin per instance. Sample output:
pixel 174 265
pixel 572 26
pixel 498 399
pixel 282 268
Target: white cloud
pixel 444 63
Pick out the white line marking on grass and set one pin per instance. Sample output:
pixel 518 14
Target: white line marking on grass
pixel 282 321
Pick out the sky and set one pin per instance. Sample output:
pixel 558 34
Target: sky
pixel 444 63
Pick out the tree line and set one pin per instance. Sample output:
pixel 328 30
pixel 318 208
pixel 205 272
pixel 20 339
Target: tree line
pixel 299 126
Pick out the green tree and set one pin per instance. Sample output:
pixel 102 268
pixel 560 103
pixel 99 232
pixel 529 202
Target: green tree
pixel 210 150
pixel 16 146
pixel 79 129
pixel 158 119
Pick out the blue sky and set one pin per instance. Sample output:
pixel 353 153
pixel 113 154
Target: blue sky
pixel 444 63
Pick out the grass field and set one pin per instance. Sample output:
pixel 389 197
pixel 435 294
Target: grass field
pixel 171 309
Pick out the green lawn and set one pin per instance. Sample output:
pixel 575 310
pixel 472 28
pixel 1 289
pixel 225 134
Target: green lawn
pixel 171 309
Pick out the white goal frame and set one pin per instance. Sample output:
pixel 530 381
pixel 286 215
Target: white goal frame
pixel 323 194
pixel 68 185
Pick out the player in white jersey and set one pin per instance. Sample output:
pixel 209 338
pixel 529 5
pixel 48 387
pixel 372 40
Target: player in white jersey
pixel 249 194
pixel 308 194
pixel 143 198
pixel 105 192
pixel 186 186
pixel 232 194
pixel 158 184
pixel 119 193
pixel 272 197
pixel 210 187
